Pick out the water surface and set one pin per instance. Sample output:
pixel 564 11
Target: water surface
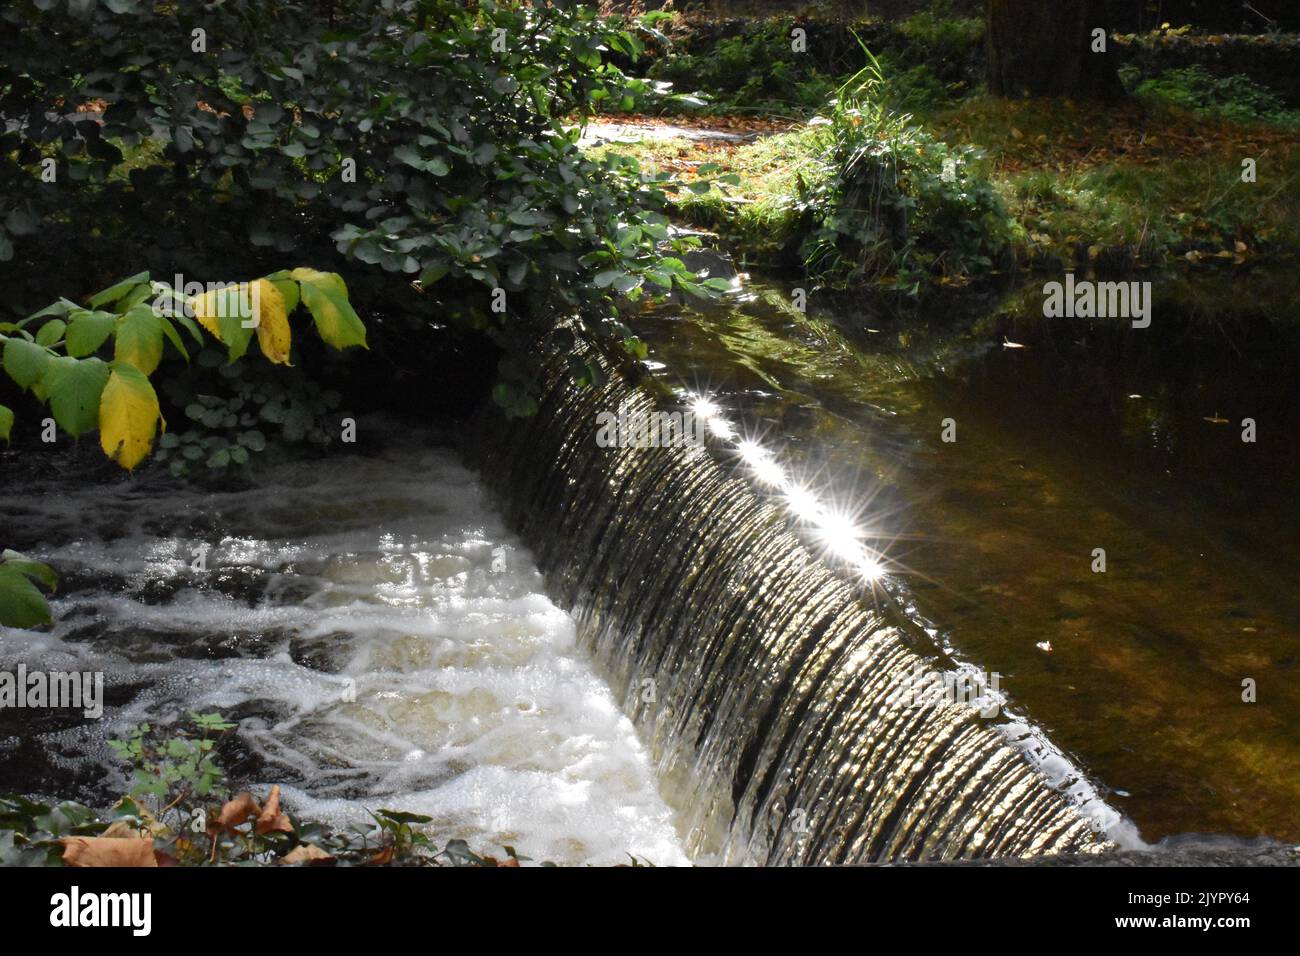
pixel 1071 435
pixel 382 640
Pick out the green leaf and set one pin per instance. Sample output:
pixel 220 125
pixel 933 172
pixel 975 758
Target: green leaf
pixel 33 569
pixel 60 308
pixel 88 330
pixel 115 292
pixel 73 387
pixel 51 332
pixel 6 421
pixel 25 362
pixel 288 289
pixel 169 330
pixel 326 297
pixel 140 339
pixel 21 603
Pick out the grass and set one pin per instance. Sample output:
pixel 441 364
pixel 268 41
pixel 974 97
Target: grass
pixel 1155 180
pixel 1136 184
pixel 1131 186
pixel 760 216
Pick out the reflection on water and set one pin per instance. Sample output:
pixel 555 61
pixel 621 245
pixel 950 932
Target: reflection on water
pixel 1092 435
pixel 382 640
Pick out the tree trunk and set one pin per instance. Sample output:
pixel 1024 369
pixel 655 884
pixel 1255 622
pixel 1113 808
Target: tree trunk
pixel 1045 48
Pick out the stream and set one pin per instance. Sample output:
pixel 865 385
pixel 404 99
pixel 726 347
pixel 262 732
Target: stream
pixel 382 640
pixel 390 634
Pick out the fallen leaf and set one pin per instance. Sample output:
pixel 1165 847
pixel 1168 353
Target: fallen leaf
pixel 120 830
pixel 1216 420
pixel 271 820
pixel 108 851
pixel 305 854
pixel 235 812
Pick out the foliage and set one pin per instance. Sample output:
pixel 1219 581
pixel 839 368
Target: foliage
pixel 21 602
pixel 755 69
pixel 430 138
pixel 56 352
pixel 1130 185
pixel 1237 99
pixel 944 35
pixel 893 202
pixel 169 771
pixel 240 411
pixel 168 819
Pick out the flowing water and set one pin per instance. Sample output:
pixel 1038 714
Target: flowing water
pixel 1070 436
pixel 780 698
pixel 382 639
pixel 718 652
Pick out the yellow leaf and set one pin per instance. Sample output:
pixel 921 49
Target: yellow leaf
pixel 273 333
pixel 227 311
pixel 128 415
pixel 206 308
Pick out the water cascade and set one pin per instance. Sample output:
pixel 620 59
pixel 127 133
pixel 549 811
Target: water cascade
pixel 766 681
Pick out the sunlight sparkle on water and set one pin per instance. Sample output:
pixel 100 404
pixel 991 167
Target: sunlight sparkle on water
pixel 834 527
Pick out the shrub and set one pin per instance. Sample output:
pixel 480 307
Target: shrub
pixel 430 139
pixel 56 353
pixel 892 201
pixel 1237 98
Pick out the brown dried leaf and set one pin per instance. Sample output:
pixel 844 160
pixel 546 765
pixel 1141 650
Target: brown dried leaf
pixel 108 851
pixel 271 820
pixel 307 853
pixel 235 812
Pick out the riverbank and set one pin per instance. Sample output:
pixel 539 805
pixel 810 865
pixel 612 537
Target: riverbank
pixel 1196 168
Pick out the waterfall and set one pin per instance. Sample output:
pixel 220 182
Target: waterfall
pixel 764 681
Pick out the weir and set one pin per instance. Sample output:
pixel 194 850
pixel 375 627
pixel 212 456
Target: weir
pixel 767 685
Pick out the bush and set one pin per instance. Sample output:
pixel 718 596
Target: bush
pixel 755 69
pixel 429 138
pixel 892 201
pixel 1237 98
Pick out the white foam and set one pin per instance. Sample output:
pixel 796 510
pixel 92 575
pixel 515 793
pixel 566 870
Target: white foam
pixel 400 652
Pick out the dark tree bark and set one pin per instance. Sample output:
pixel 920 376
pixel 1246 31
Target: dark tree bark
pixel 1045 48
